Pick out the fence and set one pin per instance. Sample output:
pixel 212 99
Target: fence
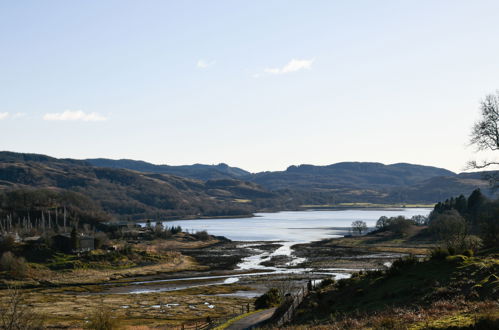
pixel 296 300
pixel 206 324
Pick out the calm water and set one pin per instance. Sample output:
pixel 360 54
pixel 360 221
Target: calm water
pixel 288 227
pixel 293 226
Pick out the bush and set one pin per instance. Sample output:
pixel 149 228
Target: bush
pixel 7 243
pixel 269 299
pixel 326 282
pixel 439 253
pixel 102 318
pixel 450 228
pixel 100 239
pixel 399 264
pixel 15 266
pixel 202 235
pixel 400 225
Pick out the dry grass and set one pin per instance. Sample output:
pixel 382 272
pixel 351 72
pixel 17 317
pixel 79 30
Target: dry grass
pixel 76 276
pixel 157 309
pixel 441 314
pixel 177 243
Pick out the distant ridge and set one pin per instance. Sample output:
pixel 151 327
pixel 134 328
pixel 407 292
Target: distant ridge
pixel 349 174
pixel 196 171
pixel 131 194
pixel 306 177
pixel 137 189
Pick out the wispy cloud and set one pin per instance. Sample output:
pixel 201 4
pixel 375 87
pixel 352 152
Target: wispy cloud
pixel 204 64
pixel 19 115
pixel 292 66
pixel 74 115
pixel 4 115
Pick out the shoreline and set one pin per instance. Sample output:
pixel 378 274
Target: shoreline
pixel 354 206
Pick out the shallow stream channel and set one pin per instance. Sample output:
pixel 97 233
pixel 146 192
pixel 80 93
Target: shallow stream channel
pixel 267 250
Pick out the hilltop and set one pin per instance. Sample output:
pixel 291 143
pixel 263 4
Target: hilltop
pixel 130 189
pixel 131 194
pixel 196 171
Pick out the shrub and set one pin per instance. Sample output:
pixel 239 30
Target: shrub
pixel 15 266
pixel 7 243
pixel 387 322
pixel 400 225
pixel 100 239
pixel 326 282
pixel 450 228
pixel 269 299
pixel 102 318
pixel 439 253
pixel 399 264
pixel 202 235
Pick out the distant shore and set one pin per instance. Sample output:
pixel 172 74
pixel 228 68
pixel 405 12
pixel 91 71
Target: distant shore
pixel 311 207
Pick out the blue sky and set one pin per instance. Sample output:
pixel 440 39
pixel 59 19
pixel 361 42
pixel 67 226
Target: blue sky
pixel 256 84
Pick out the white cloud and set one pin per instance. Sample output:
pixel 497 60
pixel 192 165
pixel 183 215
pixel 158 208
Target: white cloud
pixel 204 64
pixel 76 115
pixel 292 66
pixel 4 115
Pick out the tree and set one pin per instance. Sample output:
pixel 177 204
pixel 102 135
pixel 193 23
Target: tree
pixel 485 132
pixel 269 299
pixel 400 225
pixel 420 220
pixel 75 241
pixel 382 222
pixel 15 313
pixel 359 226
pixel 488 224
pixel 450 228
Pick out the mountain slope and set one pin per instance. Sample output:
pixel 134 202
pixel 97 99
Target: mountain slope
pixel 126 193
pixel 196 171
pixel 359 175
pixel 147 193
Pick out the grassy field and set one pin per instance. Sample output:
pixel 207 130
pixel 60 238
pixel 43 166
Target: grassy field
pixel 412 294
pixel 68 307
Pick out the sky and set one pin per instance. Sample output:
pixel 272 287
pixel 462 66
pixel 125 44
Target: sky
pixel 259 84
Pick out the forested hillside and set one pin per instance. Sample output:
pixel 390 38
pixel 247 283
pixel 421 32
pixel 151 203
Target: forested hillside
pixel 146 192
pixel 130 194
pixel 348 174
pixel 196 171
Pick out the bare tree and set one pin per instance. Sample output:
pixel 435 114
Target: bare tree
pixel 485 133
pixel 15 314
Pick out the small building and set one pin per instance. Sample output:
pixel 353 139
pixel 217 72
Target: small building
pixel 64 243
pixel 87 243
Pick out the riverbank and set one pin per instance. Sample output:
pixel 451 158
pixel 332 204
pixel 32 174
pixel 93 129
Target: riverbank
pixel 306 207
pixel 205 271
pixel 371 251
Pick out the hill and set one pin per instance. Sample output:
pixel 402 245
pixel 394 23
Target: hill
pixel 131 194
pixel 196 171
pixel 136 189
pixel 348 174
